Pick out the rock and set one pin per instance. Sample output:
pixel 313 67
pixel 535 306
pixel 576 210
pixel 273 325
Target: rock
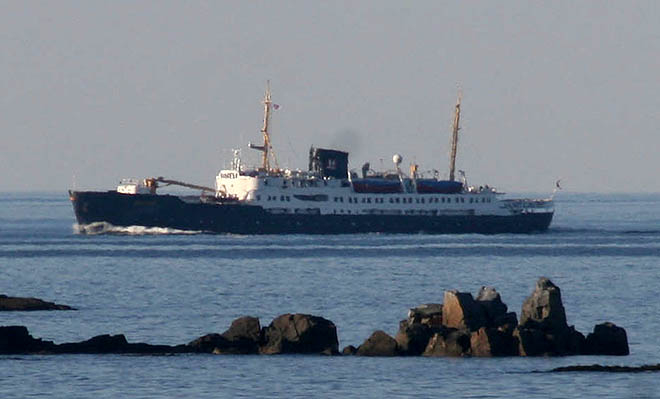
pixel 429 314
pixel 378 344
pixel 17 339
pixel 460 311
pixel 300 333
pixel 116 344
pixel 491 342
pixel 506 321
pixel 349 350
pixel 412 339
pixel 99 344
pixel 208 343
pixel 243 337
pixel 607 339
pixel 531 341
pixel 244 328
pixel 494 310
pixel 544 309
pixel 8 303
pixel 536 342
pixel 450 342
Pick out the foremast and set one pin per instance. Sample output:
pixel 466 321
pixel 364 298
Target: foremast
pixel 454 137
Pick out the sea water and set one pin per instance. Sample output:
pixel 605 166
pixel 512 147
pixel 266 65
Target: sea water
pixel 160 287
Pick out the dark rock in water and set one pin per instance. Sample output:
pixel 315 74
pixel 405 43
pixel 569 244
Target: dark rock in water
pixel 243 337
pixel 349 350
pixel 506 321
pixel 610 369
pixel 544 308
pixel 244 328
pixel 8 303
pixel 378 344
pixel 300 333
pixel 543 330
pixel 536 342
pixel 115 344
pixel 531 341
pixel 607 339
pixel 494 310
pixel 412 339
pixel 429 314
pixel 460 311
pixel 208 343
pixel 17 340
pixel 449 342
pixel 491 342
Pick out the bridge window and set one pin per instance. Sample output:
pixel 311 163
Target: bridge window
pixel 258 197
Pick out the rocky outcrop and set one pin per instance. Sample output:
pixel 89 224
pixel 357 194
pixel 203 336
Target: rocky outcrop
pixel 300 333
pixel 378 344
pixel 461 326
pixel 607 339
pixel 8 303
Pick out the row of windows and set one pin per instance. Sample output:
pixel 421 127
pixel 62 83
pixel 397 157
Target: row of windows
pixel 367 200
pixel 274 198
pixel 397 200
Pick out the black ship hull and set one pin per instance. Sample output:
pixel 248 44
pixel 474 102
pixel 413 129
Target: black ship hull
pixel 191 213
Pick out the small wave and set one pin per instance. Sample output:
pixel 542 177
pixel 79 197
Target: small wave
pixel 107 228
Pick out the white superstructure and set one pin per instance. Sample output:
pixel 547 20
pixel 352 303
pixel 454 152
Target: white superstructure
pixel 294 191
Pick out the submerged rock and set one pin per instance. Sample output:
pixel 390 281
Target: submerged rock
pixel 8 303
pixel 610 369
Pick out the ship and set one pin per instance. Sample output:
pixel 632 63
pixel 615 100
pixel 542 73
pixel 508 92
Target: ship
pixel 327 198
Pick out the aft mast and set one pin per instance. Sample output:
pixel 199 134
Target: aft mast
pixel 267 148
pixel 454 137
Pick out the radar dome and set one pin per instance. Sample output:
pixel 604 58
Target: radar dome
pixel 397 159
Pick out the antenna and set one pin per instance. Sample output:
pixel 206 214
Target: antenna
pixel 454 135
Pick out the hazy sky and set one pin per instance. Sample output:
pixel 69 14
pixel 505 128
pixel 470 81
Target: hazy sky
pixel 106 90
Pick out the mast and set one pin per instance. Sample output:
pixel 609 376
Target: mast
pixel 267 148
pixel 454 137
pixel 264 129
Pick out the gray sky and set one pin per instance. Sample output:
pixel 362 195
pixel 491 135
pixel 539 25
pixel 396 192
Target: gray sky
pixel 105 90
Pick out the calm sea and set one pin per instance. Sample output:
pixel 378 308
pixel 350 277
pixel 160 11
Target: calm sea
pixel 603 251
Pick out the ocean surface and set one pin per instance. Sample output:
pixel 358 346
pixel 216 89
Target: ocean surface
pixel 158 287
